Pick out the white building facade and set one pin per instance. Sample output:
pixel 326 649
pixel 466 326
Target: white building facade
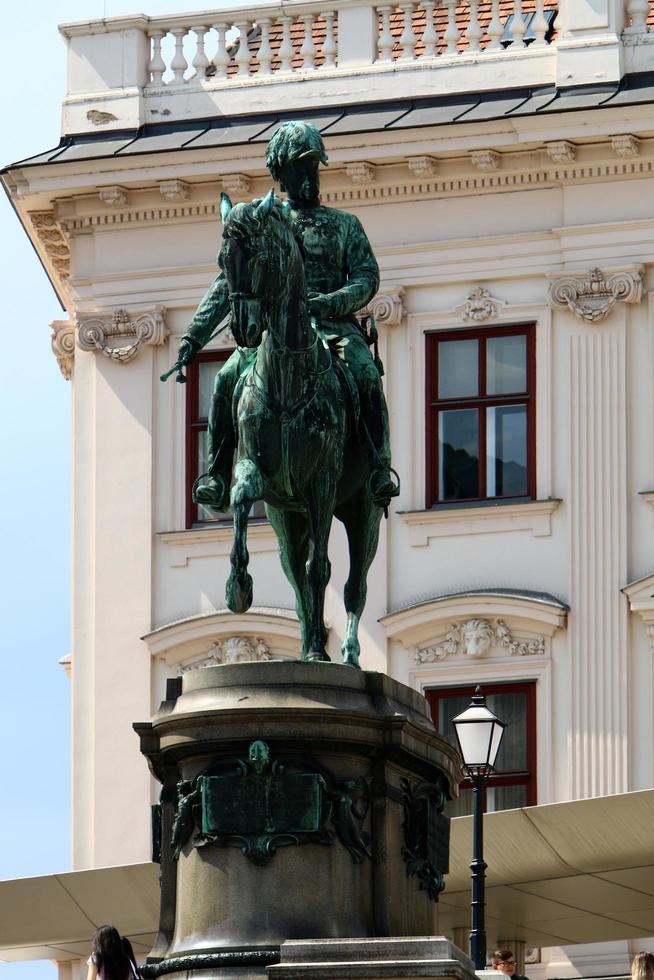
pixel 500 157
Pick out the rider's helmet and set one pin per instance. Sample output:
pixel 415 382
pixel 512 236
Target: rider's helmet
pixel 294 140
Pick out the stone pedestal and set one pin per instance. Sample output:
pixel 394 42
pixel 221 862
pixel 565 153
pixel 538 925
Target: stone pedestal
pixel 299 801
pixel 372 959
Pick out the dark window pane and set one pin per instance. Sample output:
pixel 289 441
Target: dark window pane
pixel 506 439
pixel 458 454
pixel 506 364
pixel 511 708
pixel 449 708
pixel 458 368
pixel 505 797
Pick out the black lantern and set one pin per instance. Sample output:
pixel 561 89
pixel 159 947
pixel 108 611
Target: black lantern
pixel 478 733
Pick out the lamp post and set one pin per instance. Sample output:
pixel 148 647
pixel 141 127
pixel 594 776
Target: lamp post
pixel 478 733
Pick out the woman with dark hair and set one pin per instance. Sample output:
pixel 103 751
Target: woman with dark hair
pixel 112 956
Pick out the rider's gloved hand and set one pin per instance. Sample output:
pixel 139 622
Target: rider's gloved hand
pixel 320 306
pixel 186 351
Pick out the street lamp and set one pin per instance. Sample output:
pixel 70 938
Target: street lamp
pixel 478 733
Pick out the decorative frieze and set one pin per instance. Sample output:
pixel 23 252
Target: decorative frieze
pixel 479 305
pixel 561 151
pixel 237 185
pixel 475 638
pixel 174 190
pixel 592 296
pixel 113 196
pixel 361 173
pixel 232 650
pixel 108 332
pixel 53 239
pixel 387 307
pixel 423 166
pixel 626 146
pixel 486 160
pixel 63 345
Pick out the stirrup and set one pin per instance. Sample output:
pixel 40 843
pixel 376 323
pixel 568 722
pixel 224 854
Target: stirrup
pixel 382 495
pixel 207 496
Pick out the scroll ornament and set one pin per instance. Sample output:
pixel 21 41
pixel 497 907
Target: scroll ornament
pixel 387 307
pixel 593 296
pixel 474 638
pixel 63 345
pixel 105 332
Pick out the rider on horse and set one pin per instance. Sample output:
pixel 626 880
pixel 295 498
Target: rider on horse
pixel 342 277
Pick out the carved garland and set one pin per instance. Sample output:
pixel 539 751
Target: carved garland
pixel 474 638
pixel 479 305
pixel 593 296
pixel 100 332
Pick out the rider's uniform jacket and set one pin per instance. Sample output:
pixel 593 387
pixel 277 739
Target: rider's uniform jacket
pixel 338 262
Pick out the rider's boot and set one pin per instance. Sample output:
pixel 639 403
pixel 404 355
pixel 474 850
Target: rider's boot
pixel 212 490
pixel 374 415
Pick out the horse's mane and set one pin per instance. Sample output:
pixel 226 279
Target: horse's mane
pixel 277 257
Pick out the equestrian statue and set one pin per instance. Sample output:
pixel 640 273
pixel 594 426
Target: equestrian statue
pixel 299 404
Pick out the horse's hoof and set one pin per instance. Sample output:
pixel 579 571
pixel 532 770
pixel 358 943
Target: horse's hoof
pixel 238 593
pixel 351 657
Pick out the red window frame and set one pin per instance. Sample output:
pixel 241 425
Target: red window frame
pixel 526 777
pixel 434 405
pixel 196 424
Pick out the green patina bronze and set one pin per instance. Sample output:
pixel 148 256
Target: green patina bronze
pixel 426 850
pixel 301 398
pixel 260 805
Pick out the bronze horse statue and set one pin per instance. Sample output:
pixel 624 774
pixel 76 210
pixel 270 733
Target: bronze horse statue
pixel 301 449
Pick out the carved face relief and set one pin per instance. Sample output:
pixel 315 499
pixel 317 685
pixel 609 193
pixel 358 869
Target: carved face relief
pixel 478 637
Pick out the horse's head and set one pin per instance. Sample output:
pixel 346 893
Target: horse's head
pixel 258 246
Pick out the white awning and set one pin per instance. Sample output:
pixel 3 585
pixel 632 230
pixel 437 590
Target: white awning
pixel 558 874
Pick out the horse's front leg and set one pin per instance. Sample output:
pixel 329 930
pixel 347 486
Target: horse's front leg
pixel 248 487
pixel 321 510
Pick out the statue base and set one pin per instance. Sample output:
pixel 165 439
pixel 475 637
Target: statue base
pixel 299 801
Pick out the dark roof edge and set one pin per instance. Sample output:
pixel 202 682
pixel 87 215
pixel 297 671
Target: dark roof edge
pixel 628 82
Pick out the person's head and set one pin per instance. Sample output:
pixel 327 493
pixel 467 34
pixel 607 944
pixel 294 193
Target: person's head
pixel 503 960
pixel 112 957
pixel 293 157
pixel 642 967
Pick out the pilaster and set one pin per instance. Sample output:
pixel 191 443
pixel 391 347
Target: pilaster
pixel 598 561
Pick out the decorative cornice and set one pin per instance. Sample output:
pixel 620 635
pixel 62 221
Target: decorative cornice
pixel 479 305
pixel 114 196
pixel 476 638
pixel 361 173
pixel 626 146
pixel 486 160
pixel 174 190
pixel 63 345
pixel 422 166
pixel 104 332
pixel 53 239
pixel 561 151
pixel 236 184
pixel 592 296
pixel 409 190
pixel 387 306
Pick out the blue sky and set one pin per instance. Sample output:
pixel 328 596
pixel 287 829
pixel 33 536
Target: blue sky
pixel 35 473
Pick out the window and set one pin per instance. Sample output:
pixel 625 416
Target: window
pixel 481 415
pixel 200 376
pixel 514 782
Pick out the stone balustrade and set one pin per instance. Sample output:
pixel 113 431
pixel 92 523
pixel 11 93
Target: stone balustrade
pixel 130 62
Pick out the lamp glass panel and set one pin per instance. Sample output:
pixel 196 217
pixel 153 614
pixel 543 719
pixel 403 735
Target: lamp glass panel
pixel 474 739
pixel 495 743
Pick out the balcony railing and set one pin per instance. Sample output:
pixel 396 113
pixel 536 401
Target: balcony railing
pixel 142 69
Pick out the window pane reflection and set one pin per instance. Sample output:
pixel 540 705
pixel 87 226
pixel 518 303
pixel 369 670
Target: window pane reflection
pixel 505 797
pixel 511 709
pixel 458 371
pixel 207 373
pixel 458 454
pixel 506 440
pixel 506 364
